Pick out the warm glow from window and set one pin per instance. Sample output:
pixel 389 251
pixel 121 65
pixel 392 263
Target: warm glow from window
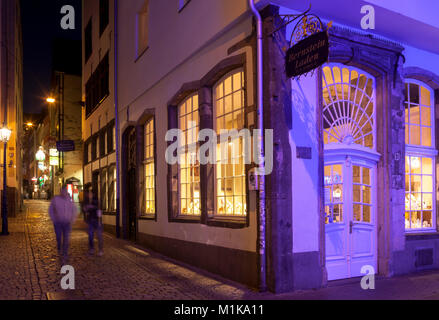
pixel 419 188
pixel 188 115
pixel 349 106
pixel 149 165
pixel 420 184
pixel 333 194
pixel 418 115
pixel 230 174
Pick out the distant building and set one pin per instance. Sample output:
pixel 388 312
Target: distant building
pixel 99 93
pixel 11 86
pixel 65 118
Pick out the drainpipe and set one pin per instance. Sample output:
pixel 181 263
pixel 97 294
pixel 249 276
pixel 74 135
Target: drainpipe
pixel 116 120
pixel 260 108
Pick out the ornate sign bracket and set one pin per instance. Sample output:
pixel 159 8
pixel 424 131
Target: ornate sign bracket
pixel 289 18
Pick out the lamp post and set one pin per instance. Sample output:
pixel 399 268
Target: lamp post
pixel 51 101
pixel 5 135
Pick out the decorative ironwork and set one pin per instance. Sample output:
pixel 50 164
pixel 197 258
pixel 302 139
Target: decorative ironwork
pixel 307 26
pixel 290 18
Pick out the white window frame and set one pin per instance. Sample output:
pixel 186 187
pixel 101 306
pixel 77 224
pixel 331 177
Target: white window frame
pixel 425 152
pixel 340 112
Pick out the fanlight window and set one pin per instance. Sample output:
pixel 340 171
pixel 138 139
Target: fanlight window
pixel 348 106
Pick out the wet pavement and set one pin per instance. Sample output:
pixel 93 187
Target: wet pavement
pixel 30 270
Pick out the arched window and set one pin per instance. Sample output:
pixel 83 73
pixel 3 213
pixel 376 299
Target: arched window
pixel 348 106
pixel 230 173
pixel 189 123
pixel 420 198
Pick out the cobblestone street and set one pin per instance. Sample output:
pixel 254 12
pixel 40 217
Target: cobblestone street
pixel 31 271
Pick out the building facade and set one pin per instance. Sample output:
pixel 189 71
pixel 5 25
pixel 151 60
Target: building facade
pixel 12 98
pixel 353 182
pixel 99 129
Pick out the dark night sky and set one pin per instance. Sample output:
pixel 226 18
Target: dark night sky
pixel 41 26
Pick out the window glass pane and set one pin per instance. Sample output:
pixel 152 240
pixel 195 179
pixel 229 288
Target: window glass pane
pixel 149 169
pixel 356 174
pixel 357 212
pixel 366 176
pixel 348 107
pixel 414 114
pixel 426 116
pixel 189 170
pixel 427 167
pixel 414 93
pixel 366 214
pixel 425 97
pixel 426 137
pixel 419 192
pixel 230 168
pixel 415 135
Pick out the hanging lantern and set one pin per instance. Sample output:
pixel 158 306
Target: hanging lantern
pixel 40 156
pixel 5 134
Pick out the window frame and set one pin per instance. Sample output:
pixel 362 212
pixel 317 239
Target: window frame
pixel 216 216
pixel 110 179
pixel 104 11
pixel 420 151
pixel 204 87
pixel 186 145
pixel 145 161
pixel 88 40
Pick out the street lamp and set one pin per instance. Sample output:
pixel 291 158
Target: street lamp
pixel 5 135
pixel 51 100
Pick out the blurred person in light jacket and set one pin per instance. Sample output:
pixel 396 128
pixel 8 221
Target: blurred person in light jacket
pixel 63 213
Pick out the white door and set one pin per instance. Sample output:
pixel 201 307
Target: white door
pixel 350 219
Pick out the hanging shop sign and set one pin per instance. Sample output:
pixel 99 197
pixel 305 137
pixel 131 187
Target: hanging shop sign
pixel 65 146
pixel 54 161
pixel 41 166
pixel 309 46
pixel 307 55
pixel 54 153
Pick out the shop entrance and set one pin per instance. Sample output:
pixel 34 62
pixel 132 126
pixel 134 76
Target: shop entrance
pixel 350 156
pixel 350 218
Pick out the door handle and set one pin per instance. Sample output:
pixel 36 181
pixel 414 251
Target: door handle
pixel 351 225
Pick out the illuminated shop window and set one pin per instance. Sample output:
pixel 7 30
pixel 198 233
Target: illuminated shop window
pixel 149 165
pixel 230 174
pixel 188 118
pixel 418 115
pixel 112 189
pixel 104 190
pixel 362 194
pixel 420 199
pixel 349 106
pixel 333 194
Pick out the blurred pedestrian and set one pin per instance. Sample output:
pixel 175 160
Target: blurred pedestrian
pixel 93 217
pixel 63 213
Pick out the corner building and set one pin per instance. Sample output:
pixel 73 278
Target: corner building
pixel 355 145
